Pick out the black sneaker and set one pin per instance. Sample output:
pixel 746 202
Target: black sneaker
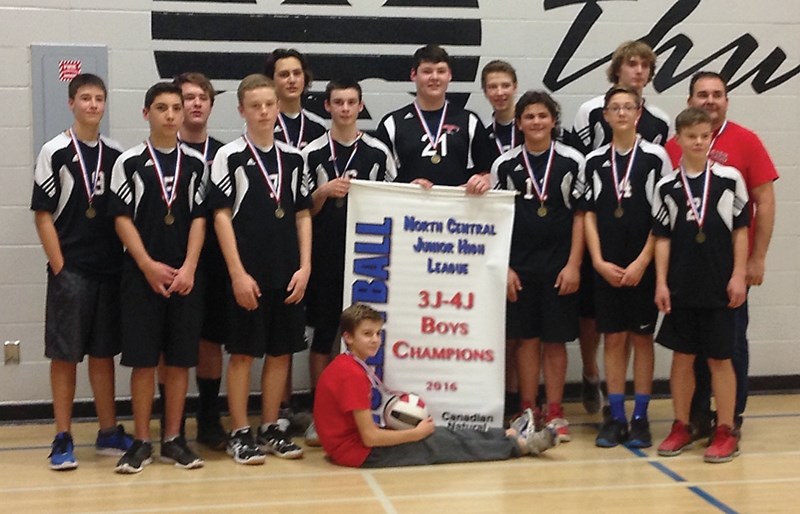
pixel 591 396
pixel 243 448
pixel 211 434
pixel 613 432
pixel 179 453
pixel 273 440
pixel 640 436
pixel 139 455
pixel 703 424
pixel 606 413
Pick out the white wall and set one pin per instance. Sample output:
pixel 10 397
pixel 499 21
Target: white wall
pixel 520 31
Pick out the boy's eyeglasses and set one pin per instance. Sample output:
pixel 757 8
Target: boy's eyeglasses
pixel 616 109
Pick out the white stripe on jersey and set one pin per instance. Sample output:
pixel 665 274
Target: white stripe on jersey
pixel 201 193
pixel 507 156
pixel 242 186
pixel 391 131
pixel 305 185
pixel 581 125
pixel 67 185
pixel 391 170
pixel 473 123
pixel 138 184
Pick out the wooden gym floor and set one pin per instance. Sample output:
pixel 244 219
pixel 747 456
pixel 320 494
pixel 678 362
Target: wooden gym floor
pixel 575 477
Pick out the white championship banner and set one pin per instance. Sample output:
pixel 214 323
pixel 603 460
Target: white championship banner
pixel 435 262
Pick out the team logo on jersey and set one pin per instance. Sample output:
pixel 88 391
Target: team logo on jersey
pixel 719 156
pixel 450 129
pixel 368 41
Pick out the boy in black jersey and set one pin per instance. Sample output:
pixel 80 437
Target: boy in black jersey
pixel 296 126
pixel 700 223
pixel 198 100
pixel 83 260
pixel 620 181
pixel 262 199
pixel 633 65
pixel 290 72
pixel 499 84
pixel 342 154
pixel 546 252
pixel 433 141
pixel 159 189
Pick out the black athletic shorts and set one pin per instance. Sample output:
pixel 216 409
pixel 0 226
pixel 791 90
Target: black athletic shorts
pixel 632 309
pixel 216 314
pixel 692 331
pixel 324 308
pixel 153 324
pixel 540 312
pixel 586 295
pixel 274 328
pixel 82 316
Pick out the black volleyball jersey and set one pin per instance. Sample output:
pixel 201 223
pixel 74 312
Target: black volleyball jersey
pixel 265 229
pixel 88 241
pixel 623 224
pixel 213 146
pixel 463 149
pixel 302 128
pixel 210 243
pixel 503 137
pixel 699 271
pixel 542 238
pixel 137 193
pixel 591 131
pixel 366 159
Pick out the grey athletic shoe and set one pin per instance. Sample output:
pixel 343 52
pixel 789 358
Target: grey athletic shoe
pixel 591 396
pixel 540 441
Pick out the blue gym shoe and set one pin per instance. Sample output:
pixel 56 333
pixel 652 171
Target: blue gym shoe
pixel 114 444
pixel 61 455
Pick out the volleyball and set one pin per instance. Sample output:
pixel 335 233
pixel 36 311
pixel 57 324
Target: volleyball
pixel 404 411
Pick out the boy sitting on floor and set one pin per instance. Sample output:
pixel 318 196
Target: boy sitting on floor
pixel 344 420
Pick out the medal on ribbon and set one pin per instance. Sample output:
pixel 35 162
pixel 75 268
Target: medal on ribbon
pixel 621 185
pixel 169 198
pixel 541 192
pixel 699 213
pixel 340 201
pixel 436 158
pixel 276 188
pixel 89 179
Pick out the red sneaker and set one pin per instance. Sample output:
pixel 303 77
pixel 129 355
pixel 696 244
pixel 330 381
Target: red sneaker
pixel 555 419
pixel 724 446
pixel 680 437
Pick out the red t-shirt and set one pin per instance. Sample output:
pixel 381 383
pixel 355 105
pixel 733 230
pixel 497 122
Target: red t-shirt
pixel 343 388
pixel 738 148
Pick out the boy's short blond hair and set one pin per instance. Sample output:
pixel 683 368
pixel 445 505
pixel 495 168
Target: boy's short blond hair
pixel 251 82
pixel 355 314
pixel 691 117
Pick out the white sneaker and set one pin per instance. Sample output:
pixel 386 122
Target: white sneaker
pixel 285 416
pixel 312 439
pixel 523 423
